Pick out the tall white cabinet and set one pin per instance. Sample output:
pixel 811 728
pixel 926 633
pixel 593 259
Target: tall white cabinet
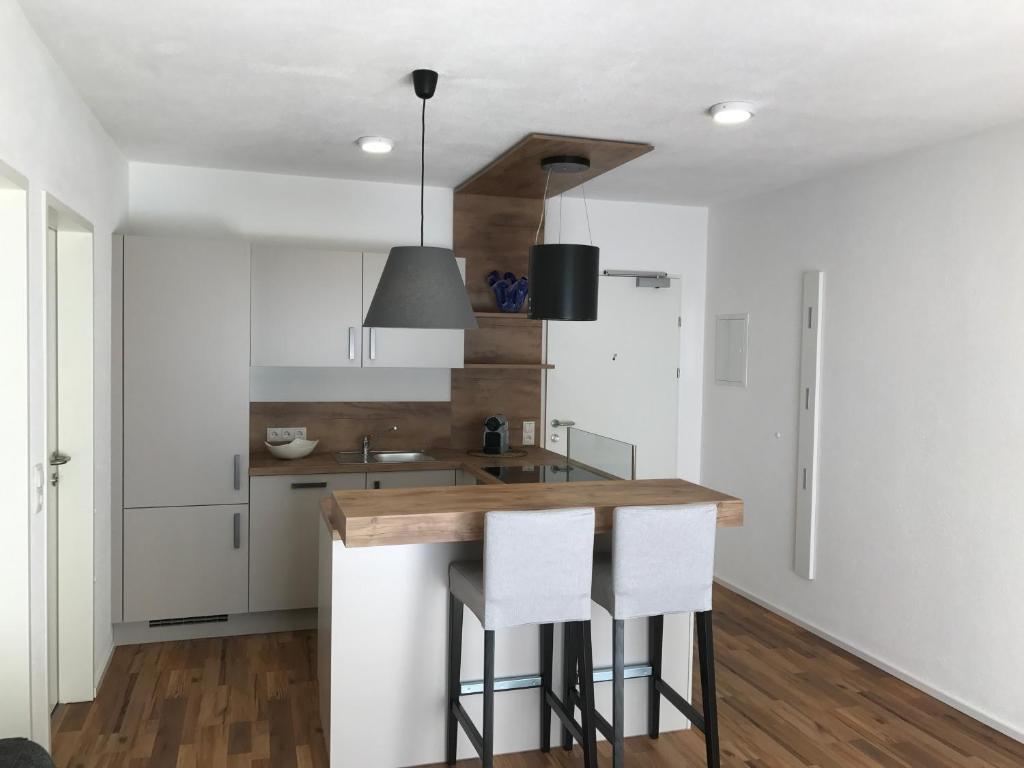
pixel 186 427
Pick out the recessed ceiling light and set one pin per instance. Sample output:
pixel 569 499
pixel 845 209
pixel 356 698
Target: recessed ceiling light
pixel 731 112
pixel 375 145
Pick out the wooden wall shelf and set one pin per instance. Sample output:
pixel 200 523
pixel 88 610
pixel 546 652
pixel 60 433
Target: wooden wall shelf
pixel 505 316
pixel 534 366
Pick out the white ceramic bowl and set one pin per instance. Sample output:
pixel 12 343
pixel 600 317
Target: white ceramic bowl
pixel 296 449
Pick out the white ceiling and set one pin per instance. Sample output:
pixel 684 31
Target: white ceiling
pixel 287 85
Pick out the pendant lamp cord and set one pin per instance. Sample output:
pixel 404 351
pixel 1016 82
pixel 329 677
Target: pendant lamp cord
pixel 560 219
pixel 543 205
pixel 423 162
pixel 586 209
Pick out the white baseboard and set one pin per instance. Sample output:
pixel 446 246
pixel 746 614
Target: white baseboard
pixel 906 677
pixel 137 632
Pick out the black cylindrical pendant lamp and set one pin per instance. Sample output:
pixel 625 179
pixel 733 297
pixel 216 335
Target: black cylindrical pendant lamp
pixel 563 282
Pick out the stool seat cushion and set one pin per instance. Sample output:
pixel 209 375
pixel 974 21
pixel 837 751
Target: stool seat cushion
pixel 662 561
pixel 536 569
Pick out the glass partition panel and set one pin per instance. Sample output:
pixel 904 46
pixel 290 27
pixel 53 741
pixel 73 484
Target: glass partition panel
pixel 595 457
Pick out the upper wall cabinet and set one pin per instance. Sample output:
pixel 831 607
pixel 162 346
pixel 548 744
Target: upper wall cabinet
pixel 186 372
pixel 406 347
pixel 306 307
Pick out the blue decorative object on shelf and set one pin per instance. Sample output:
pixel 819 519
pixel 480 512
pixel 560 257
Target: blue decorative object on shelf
pixel 509 291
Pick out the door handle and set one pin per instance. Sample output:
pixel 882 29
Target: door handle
pixel 322 484
pixel 236 525
pixel 351 343
pixel 58 459
pixel 562 423
pixel 373 344
pixel 238 471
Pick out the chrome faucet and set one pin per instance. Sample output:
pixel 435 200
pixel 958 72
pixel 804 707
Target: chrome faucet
pixel 366 443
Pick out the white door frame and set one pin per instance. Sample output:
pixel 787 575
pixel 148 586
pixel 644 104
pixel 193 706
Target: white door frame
pixel 76 249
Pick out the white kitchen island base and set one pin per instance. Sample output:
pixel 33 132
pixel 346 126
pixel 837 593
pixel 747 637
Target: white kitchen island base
pixel 381 654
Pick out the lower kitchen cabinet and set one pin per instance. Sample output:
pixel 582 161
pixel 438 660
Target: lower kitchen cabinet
pixel 284 522
pixel 186 561
pixel 410 478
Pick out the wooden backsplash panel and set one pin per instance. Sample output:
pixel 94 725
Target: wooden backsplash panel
pixel 341 426
pixel 478 393
pixel 505 340
pixel 493 233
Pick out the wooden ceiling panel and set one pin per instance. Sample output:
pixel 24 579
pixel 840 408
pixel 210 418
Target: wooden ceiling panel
pixel 517 173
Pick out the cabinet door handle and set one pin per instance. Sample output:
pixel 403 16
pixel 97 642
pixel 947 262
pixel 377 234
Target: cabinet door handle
pixel 373 344
pixel 236 524
pixel 376 484
pixel 238 471
pixel 322 484
pixel 351 343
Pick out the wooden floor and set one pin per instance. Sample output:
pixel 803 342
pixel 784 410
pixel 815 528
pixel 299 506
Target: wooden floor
pixel 786 698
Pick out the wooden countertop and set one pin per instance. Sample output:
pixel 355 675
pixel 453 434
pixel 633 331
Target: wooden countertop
pixel 449 514
pixel 324 463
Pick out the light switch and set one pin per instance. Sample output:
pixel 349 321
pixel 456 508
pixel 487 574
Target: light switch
pixel 529 432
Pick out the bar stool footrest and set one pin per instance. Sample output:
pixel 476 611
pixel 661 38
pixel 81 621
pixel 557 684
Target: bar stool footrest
pixel 681 704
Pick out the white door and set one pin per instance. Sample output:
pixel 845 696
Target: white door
pixel 617 376
pixel 306 307
pixel 70 506
pixel 406 347
pixel 54 470
pixel 186 372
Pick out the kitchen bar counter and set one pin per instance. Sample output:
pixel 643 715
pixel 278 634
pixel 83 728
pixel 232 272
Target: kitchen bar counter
pixel 383 622
pixel 452 514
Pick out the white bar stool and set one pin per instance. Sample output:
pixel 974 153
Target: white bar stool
pixel 537 569
pixel 662 561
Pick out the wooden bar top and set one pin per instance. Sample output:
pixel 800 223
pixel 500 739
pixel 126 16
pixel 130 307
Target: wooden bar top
pixel 449 514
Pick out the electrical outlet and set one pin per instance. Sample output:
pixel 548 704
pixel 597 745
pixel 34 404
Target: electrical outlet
pixel 284 434
pixel 529 433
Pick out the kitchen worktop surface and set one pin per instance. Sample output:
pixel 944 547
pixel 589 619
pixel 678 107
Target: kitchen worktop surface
pixel 450 514
pixel 324 463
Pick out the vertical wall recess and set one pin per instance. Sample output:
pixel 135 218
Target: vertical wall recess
pixel 807 440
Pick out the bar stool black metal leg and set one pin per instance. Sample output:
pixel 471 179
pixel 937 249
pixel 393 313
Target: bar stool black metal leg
pixel 455 613
pixel 618 692
pixel 488 751
pixel 586 669
pixel 547 651
pixel 706 654
pixel 655 637
pixel 568 676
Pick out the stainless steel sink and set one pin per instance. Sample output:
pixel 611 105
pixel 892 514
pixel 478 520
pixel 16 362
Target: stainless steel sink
pixel 397 457
pixel 382 457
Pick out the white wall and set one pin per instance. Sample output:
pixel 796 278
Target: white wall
pixel 666 238
pixel 921 491
pixel 51 138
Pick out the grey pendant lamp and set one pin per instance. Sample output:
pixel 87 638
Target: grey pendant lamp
pixel 563 276
pixel 421 287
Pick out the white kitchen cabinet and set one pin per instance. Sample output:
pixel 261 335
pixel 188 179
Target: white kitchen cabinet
pixel 283 527
pixel 410 478
pixel 406 347
pixel 306 307
pixel 185 561
pixel 186 372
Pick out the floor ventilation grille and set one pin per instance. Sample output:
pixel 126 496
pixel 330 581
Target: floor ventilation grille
pixel 189 620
